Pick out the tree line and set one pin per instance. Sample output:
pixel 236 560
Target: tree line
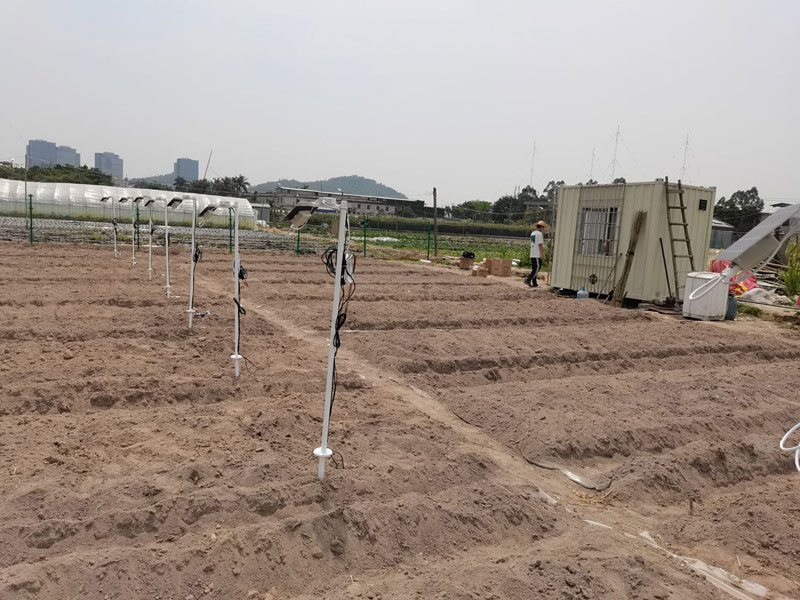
pixel 57 174
pixel 219 186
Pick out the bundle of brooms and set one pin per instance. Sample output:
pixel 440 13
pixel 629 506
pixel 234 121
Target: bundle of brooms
pixel 619 289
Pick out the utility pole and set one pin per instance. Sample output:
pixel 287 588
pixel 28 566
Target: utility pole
pixel 685 150
pixel 435 227
pixel 533 160
pixel 614 162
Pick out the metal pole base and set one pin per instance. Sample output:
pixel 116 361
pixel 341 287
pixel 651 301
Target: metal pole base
pixel 191 312
pixel 322 454
pixel 150 274
pixel 167 291
pixel 236 358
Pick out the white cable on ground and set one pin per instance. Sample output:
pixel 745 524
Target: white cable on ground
pixel 796 448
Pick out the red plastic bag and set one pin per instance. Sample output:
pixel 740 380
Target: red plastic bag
pixel 718 266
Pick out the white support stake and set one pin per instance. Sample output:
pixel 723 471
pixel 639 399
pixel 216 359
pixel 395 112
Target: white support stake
pixel 150 249
pixel 166 244
pixel 323 451
pixel 133 234
pixel 114 223
pixel 237 265
pixel 191 309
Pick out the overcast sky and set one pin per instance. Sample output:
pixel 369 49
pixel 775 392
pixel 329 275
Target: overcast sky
pixel 414 94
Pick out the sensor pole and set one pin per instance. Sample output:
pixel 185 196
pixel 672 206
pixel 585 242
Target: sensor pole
pixel 114 222
pixel 323 451
pixel 133 233
pixel 150 249
pixel 237 265
pixel 191 309
pixel 166 244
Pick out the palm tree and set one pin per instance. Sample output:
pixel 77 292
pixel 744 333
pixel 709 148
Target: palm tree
pixel 241 184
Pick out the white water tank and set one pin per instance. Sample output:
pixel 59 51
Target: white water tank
pixel 712 305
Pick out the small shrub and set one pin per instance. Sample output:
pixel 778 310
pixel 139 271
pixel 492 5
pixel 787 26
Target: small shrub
pixel 747 309
pixel 791 279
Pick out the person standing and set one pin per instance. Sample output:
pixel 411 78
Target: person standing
pixel 537 252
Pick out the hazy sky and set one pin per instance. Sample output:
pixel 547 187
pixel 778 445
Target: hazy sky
pixel 414 94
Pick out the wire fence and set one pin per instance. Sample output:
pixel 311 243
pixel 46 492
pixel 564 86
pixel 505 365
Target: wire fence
pixel 92 222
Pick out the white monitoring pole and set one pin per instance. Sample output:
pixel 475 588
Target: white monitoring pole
pixel 191 309
pixel 133 233
pixel 167 205
pixel 237 265
pixel 323 451
pixel 149 205
pixel 114 221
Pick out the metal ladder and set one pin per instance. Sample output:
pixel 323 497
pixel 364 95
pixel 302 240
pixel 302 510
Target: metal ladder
pixel 672 221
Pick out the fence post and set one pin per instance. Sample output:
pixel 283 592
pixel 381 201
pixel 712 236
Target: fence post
pixel 136 230
pixel 365 236
pixel 230 230
pixel 429 240
pixel 297 252
pixel 30 212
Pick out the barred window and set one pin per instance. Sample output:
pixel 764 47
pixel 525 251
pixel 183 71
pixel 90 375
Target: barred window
pixel 598 232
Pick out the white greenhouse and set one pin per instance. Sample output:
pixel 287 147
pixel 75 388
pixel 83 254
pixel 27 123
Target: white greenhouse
pixel 102 203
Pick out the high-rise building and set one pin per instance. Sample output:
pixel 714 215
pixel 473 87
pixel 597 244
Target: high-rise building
pixel 41 153
pixel 67 156
pixel 109 163
pixel 187 168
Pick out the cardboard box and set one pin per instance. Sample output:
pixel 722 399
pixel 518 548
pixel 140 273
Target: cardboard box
pixel 481 272
pixel 465 263
pixel 501 267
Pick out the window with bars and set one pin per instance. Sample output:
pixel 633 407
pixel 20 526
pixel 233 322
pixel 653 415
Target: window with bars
pixel 598 232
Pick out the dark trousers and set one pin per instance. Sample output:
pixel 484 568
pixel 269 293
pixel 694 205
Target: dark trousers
pixel 536 263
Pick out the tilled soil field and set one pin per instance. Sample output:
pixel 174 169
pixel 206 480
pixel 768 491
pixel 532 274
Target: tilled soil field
pixel 136 466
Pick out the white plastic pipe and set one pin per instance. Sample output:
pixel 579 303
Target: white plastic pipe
pixel 113 221
pixel 795 449
pixel 150 249
pixel 166 244
pixel 191 310
pixel 237 264
pixel 133 234
pixel 323 452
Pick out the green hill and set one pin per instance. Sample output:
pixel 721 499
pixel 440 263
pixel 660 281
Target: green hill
pixel 352 184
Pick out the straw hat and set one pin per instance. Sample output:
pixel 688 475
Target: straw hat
pixel 542 224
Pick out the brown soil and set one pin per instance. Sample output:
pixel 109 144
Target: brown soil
pixel 136 466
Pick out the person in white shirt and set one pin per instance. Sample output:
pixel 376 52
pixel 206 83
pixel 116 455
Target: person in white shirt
pixel 537 252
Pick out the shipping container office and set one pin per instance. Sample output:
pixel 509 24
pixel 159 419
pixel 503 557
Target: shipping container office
pixel 593 228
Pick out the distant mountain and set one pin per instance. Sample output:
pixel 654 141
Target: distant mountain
pixel 352 184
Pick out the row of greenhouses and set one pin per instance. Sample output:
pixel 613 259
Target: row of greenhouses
pixel 103 203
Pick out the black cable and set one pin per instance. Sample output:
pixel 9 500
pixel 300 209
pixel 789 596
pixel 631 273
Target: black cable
pixel 329 260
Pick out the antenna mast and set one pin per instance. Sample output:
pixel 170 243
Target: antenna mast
pixel 685 151
pixel 533 160
pixel 614 162
pixel 591 168
pixel 207 163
